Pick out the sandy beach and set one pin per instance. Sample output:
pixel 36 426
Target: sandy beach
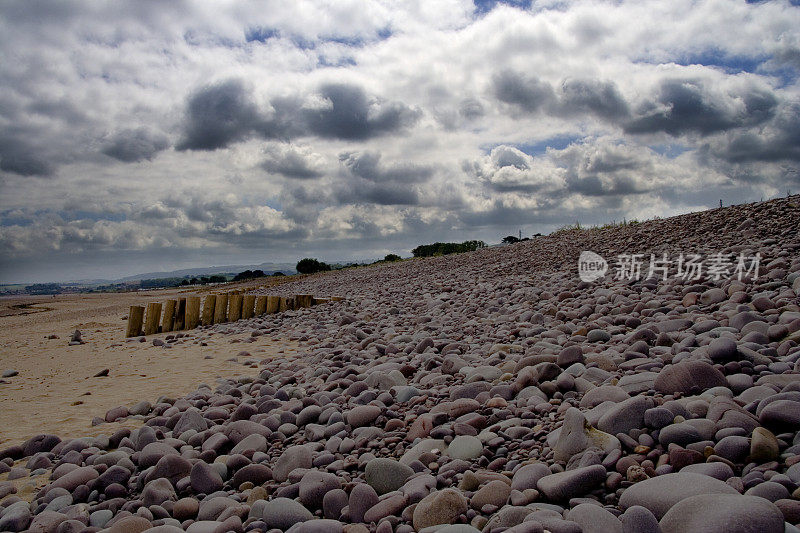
pixel 55 391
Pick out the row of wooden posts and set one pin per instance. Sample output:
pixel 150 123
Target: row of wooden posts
pixel 185 313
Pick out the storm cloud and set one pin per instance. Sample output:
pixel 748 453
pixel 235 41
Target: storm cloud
pixel 686 106
pixel 221 114
pixel 133 145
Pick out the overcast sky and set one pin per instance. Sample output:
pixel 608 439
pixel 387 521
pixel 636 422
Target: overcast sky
pixel 140 136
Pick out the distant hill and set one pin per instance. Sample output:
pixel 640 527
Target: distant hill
pixel 268 268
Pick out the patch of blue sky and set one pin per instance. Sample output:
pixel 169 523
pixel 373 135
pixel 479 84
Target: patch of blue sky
pixel 791 2
pixel 670 150
pixel 196 38
pixel 735 64
pixel 717 58
pixel 261 34
pixel 352 41
pixel 345 61
pixel 484 6
pixel 12 220
pixel 94 216
pixel 535 149
pixel 384 33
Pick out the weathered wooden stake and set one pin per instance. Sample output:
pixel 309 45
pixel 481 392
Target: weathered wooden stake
pixel 248 305
pixel 208 309
pixel 318 301
pixel 303 300
pixel 153 318
pixel 273 304
pixel 287 303
pixel 168 322
pixel 135 317
pixel 234 307
pixel 261 305
pixel 337 298
pixel 192 312
pixel 180 315
pixel 221 309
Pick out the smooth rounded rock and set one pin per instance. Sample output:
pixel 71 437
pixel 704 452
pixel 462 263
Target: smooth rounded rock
pixel 386 475
pixel 283 513
pixel 625 416
pixel 569 356
pixel 363 415
pixel 291 458
pixel 529 475
pixel 313 487
pixel 333 503
pixel 439 507
pixel 689 377
pixel 465 447
pixel 722 349
pixel 638 519
pixel 722 513
pixel 362 498
pixel 205 479
pixel 660 493
pixel 572 483
pixel 594 519
pixel 494 493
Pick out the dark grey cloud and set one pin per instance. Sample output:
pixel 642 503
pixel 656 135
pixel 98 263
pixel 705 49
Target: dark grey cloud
pixel 575 96
pixel 601 98
pixel 352 116
pixel 133 145
pixel 688 106
pixel 528 93
pixel 219 114
pixel 20 157
pixel 367 165
pixel 224 113
pixel 366 180
pixel 606 169
pixel 377 193
pixel 775 142
pixel 290 163
pixel 471 109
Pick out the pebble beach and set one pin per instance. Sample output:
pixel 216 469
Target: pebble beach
pixel 488 391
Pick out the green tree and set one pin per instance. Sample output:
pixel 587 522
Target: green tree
pixel 309 266
pixel 445 248
pixel 392 257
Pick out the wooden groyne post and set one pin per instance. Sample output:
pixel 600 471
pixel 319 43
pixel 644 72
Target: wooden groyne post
pixel 273 304
pixel 135 318
pixel 234 307
pixel 248 305
pixel 180 314
pixel 168 321
pixel 186 313
pixel 261 305
pixel 221 309
pixel 153 319
pixel 209 306
pixel 303 300
pixel 192 312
